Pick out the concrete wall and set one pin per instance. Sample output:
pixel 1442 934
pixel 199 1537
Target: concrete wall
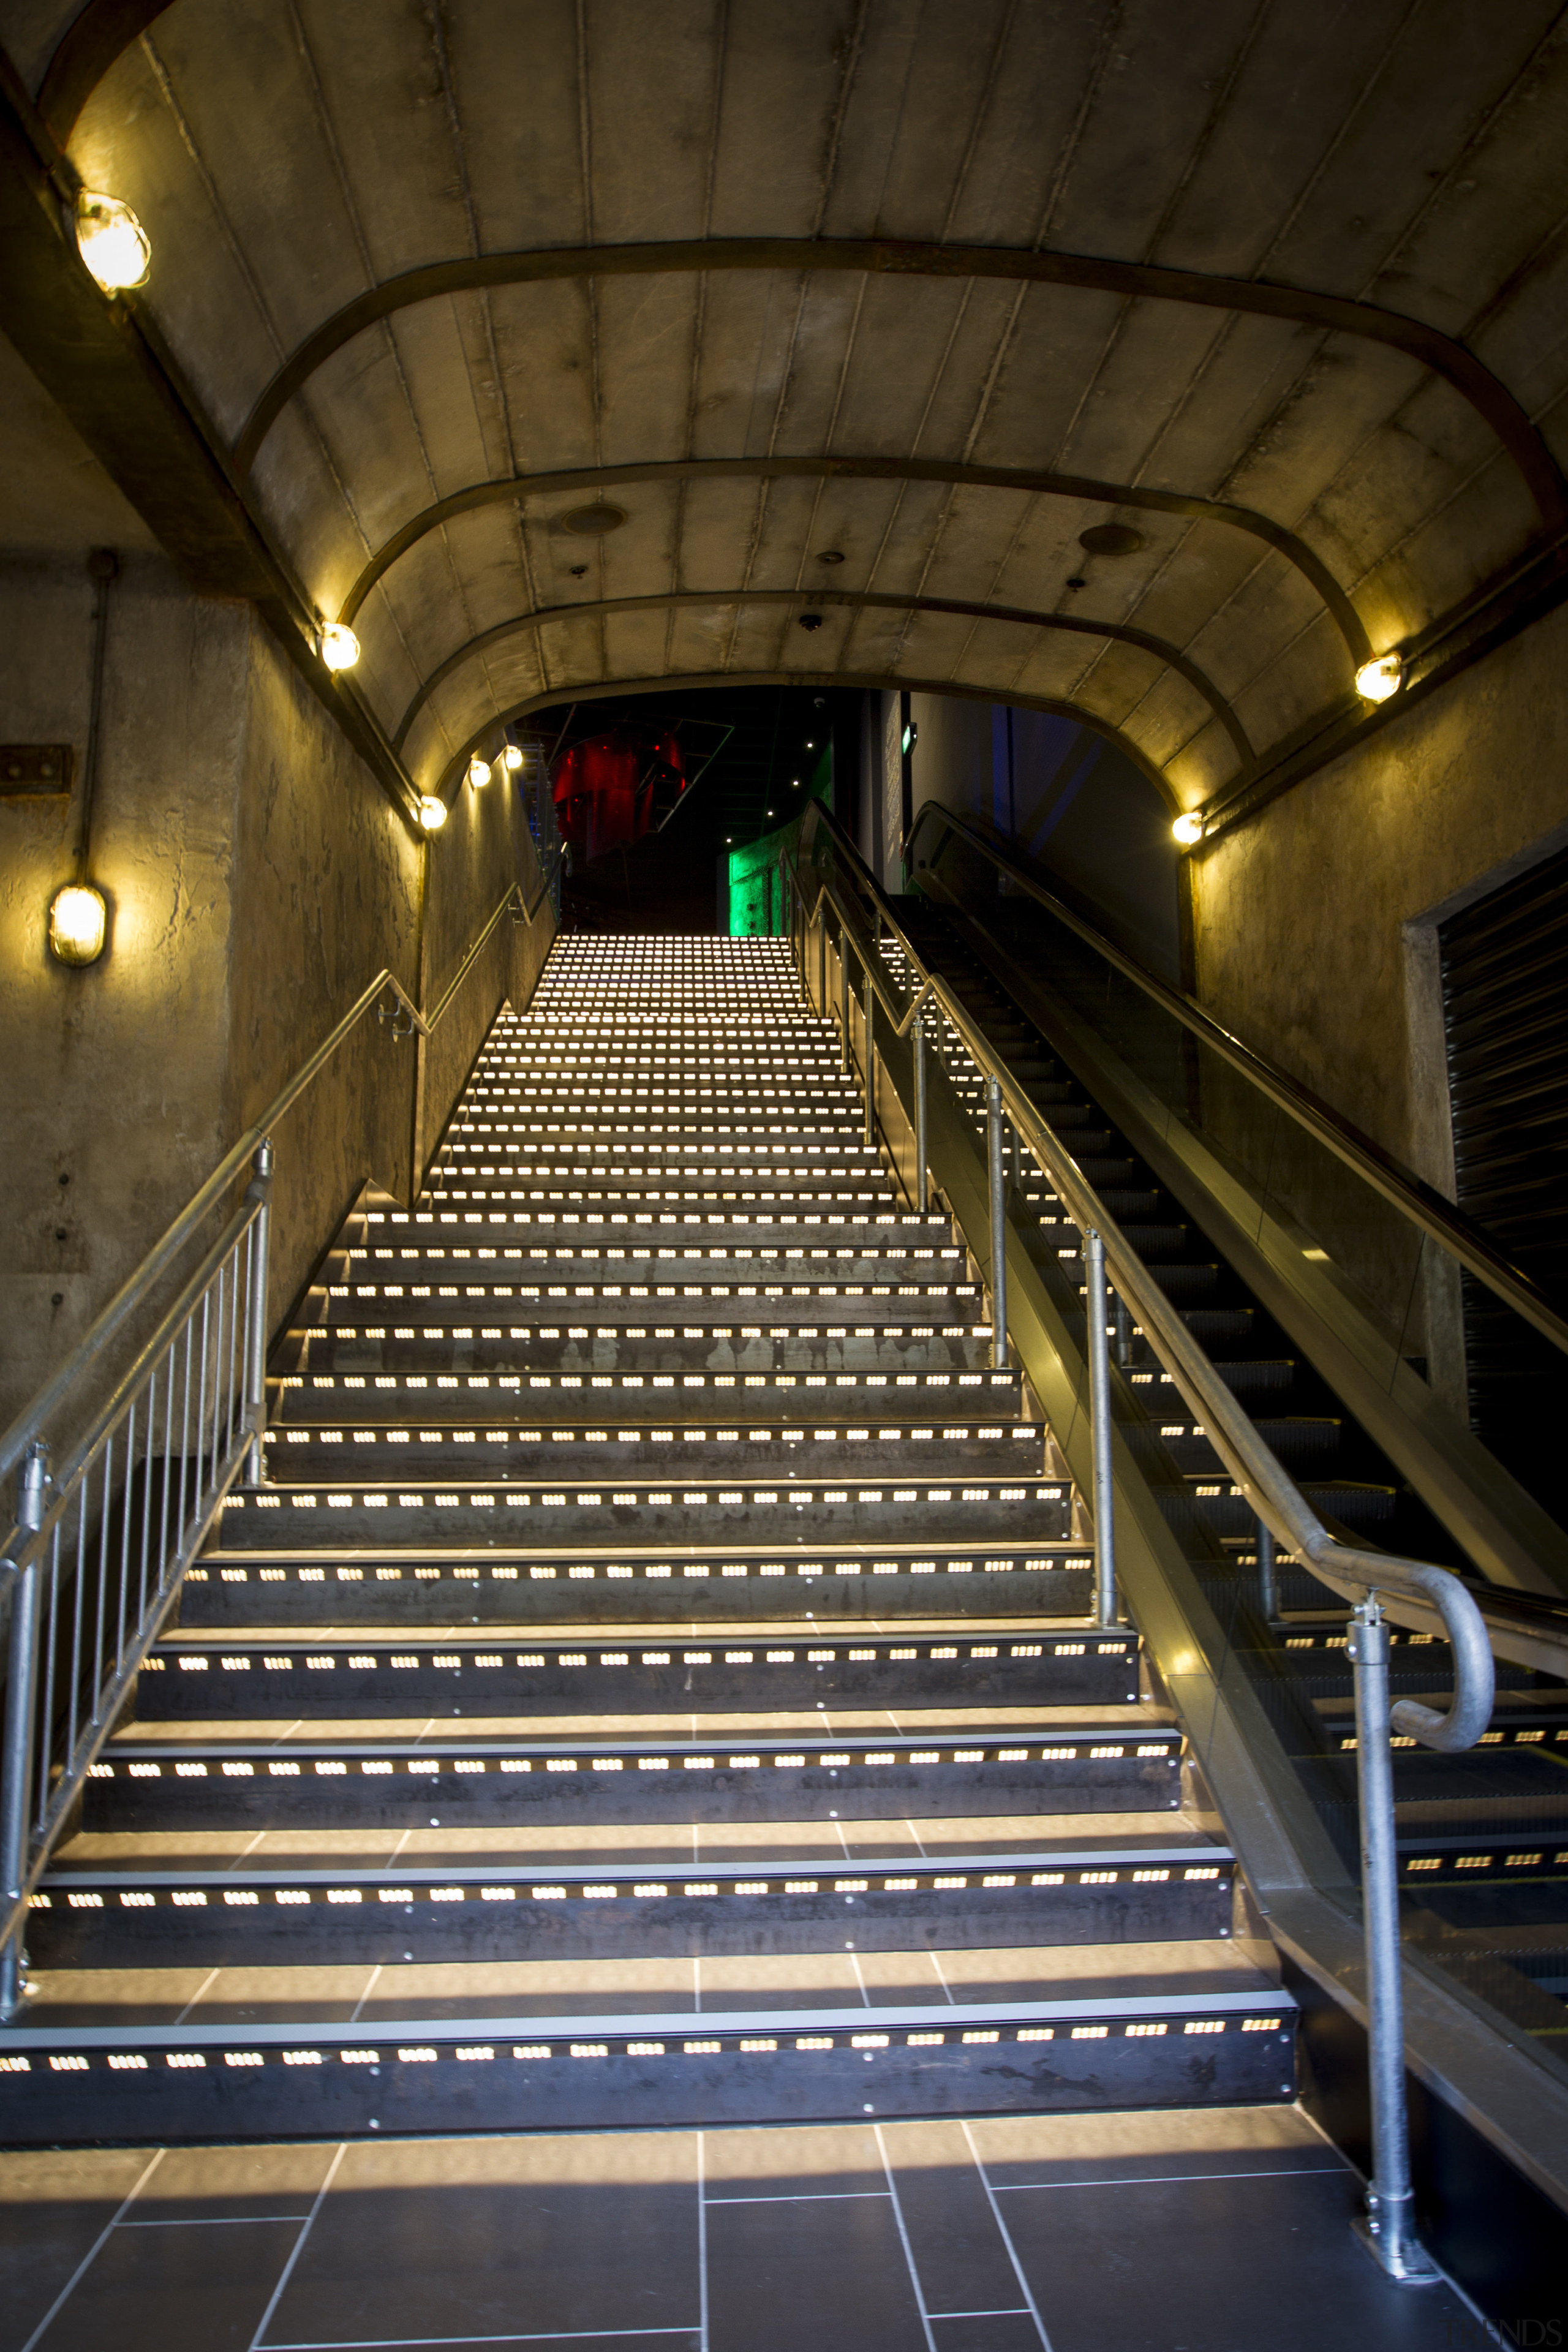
pixel 258 879
pixel 1315 925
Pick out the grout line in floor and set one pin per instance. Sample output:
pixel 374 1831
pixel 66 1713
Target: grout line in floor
pixel 1007 2238
pixel 702 2242
pixel 902 2228
pixel 97 2246
pixel 276 2297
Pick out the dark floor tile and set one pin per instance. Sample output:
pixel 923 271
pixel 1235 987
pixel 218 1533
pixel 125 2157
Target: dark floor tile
pixel 828 2273
pixel 586 2236
pixel 1216 2266
pixel 1007 2331
pixel 959 2251
pixel 53 2205
pixel 193 2283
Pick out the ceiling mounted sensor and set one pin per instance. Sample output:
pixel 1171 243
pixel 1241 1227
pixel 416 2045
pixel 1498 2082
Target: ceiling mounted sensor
pixel 592 523
pixel 1111 538
pixel 831 555
pixel 809 621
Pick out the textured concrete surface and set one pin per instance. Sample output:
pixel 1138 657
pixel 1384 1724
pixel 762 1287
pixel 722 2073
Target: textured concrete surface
pixel 1314 923
pixel 258 879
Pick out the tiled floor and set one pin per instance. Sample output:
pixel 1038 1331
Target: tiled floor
pixel 1218 2231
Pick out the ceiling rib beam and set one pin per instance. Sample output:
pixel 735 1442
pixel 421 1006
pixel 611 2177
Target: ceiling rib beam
pixel 855 599
pixel 880 257
pixel 1027 480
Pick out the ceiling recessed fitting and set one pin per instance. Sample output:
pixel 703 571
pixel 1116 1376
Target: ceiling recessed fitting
pixel 592 523
pixel 1111 538
pixel 831 555
pixel 811 620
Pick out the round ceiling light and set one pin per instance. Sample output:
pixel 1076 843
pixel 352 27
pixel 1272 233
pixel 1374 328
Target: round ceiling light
pixel 592 523
pixel 1111 538
pixel 111 241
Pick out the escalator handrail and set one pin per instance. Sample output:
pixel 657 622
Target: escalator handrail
pixel 1268 1487
pixel 1409 1192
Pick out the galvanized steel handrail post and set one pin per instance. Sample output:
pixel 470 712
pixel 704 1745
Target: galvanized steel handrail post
pixel 869 1061
pixel 17 1783
pixel 1387 2228
pixel 1097 1339
pixel 1426 1207
pixel 996 1181
pixel 258 1189
pixel 918 1052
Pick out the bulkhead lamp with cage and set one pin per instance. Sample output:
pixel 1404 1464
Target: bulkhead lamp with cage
pixel 510 758
pixel 111 241
pixel 432 813
pixel 1376 680
pixel 78 924
pixel 1188 828
pixel 478 772
pixel 340 646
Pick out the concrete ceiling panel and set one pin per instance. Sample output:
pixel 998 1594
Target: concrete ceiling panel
pixel 647 330
pixel 544 340
pixel 652 81
pixel 783 72
pixel 436 378
pixel 515 70
pixel 1445 66
pixel 1166 68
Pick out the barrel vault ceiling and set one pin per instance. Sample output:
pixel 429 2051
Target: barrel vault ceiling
pixel 860 310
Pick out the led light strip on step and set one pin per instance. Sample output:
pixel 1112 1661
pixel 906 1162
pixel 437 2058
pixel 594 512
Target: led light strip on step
pixel 322 1433
pixel 501 1496
pixel 165 1891
pixel 343 2051
pixel 281 1659
pixel 623 1570
pixel 834 1760
pixel 1523 1858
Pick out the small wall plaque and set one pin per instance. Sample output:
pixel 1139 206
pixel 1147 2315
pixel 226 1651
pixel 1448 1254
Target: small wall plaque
pixel 35 768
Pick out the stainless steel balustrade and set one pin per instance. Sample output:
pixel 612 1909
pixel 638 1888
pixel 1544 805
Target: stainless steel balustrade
pixel 91 1569
pixel 1387 2227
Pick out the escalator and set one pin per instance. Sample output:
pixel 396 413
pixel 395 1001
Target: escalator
pixel 1483 1836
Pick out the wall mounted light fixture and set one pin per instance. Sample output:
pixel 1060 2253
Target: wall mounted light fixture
pixel 478 772
pixel 432 813
pixel 510 758
pixel 111 241
pixel 1375 681
pixel 1189 827
pixel 339 644
pixel 79 923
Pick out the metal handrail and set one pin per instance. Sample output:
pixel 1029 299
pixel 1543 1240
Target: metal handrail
pixel 405 1018
pixel 1417 1200
pixel 1388 2224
